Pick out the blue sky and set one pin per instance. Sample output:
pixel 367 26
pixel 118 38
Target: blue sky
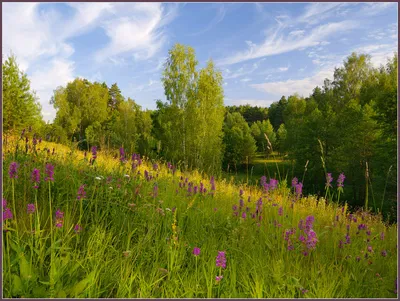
pixel 264 50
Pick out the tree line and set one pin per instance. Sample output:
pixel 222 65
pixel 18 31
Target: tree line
pixel 348 125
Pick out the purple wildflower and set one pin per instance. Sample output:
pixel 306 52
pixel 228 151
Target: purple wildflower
pixel 273 183
pixel 4 203
pixel 329 180
pixel 369 249
pixel 81 192
pixel 362 227
pixel 212 182
pixel 311 239
pixel 348 241
pixel 155 167
pixel 340 180
pixel 122 154
pixel 384 253
pixel 78 228
pixel 280 211
pixel 221 260
pixel 295 181
pixel 12 171
pixel 382 235
pixel 155 191
pixel 219 278
pixel 240 192
pixel 94 152
pixel 59 214
pixel 49 172
pixel 36 177
pixel 7 214
pixel 244 215
pixel 196 251
pixel 299 189
pixel 59 218
pixel 241 203
pixel 31 208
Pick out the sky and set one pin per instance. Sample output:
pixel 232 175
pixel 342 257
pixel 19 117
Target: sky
pixel 264 50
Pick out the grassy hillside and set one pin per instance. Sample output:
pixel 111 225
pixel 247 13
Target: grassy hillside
pixel 136 228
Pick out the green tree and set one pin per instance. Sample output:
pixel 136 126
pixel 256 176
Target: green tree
pixel 239 143
pixel 20 104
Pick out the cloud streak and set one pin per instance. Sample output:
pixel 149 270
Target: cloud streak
pixel 277 43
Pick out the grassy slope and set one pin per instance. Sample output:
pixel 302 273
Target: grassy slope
pixel 127 247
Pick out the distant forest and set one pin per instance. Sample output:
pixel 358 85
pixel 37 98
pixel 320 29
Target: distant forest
pixel 348 125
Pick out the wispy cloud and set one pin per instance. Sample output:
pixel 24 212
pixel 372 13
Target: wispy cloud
pixel 138 30
pixel 375 8
pixel 220 15
pixel 303 87
pixel 277 43
pixel 47 78
pixel 315 12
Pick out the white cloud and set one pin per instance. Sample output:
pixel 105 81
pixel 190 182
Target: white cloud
pixel 277 43
pixel 284 69
pixel 303 86
pixel 297 33
pixel 379 52
pixel 46 79
pixel 138 30
pixel 375 8
pixel 314 12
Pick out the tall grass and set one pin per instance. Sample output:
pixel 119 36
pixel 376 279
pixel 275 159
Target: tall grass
pixel 135 241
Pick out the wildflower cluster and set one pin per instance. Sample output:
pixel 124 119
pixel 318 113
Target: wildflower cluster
pixel 81 192
pixel 36 178
pixel 310 239
pixel 59 218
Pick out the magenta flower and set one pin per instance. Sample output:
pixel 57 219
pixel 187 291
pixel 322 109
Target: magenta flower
pixel 299 189
pixel 240 192
pixel 77 228
pixel 122 155
pixel 329 180
pixel 212 182
pixel 221 260
pixel 340 180
pixel 36 177
pixel 196 251
pixel 49 172
pixel 4 203
pixel 59 214
pixel 273 183
pixel 295 181
pixel 59 218
pixel 219 278
pixel 81 192
pixel 31 208
pixel 7 214
pixel 280 211
pixel 94 152
pixel 155 191
pixel 244 215
pixel 12 171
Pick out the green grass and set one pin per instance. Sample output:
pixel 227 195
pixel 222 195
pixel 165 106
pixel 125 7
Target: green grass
pixel 137 245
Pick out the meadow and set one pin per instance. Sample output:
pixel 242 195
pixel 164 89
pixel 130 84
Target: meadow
pixel 111 224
